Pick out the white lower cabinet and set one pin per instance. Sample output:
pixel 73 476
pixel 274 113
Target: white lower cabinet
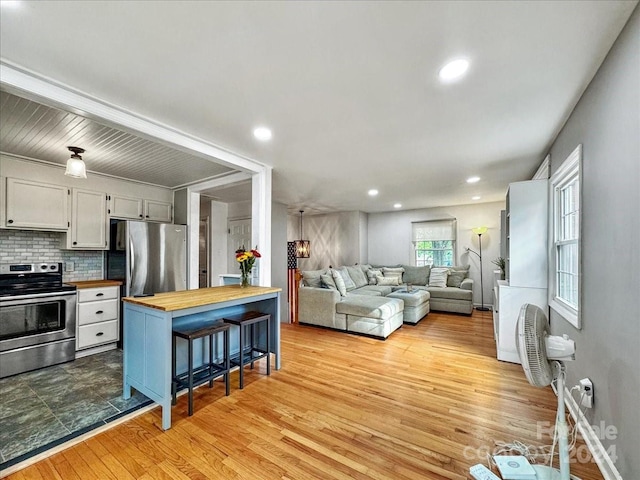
pixel 98 319
pixel 506 309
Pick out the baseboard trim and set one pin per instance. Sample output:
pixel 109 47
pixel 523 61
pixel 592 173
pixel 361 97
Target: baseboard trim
pixel 600 455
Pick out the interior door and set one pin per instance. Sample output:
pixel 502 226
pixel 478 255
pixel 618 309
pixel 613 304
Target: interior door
pixel 239 236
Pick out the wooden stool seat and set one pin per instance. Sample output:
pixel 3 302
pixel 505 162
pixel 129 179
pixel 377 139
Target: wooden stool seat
pixel 248 355
pixel 209 370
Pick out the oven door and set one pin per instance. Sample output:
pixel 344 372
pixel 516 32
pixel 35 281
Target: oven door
pixel 27 320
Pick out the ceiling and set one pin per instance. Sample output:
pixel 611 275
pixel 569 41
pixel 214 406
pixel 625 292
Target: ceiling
pixel 349 89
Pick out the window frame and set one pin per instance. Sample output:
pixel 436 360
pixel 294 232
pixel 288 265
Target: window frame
pixel 569 173
pixel 415 242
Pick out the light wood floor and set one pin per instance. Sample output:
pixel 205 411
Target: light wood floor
pixel 417 406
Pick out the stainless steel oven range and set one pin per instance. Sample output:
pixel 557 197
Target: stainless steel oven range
pixel 37 317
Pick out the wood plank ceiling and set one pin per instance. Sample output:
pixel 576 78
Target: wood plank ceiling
pixel 30 129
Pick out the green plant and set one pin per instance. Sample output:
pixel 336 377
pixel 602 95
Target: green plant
pixel 501 263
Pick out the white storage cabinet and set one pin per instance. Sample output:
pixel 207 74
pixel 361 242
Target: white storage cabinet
pixel 526 262
pixel 88 221
pixel 98 319
pixel 36 206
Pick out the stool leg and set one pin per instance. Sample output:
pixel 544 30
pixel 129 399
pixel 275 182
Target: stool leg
pixel 241 358
pixel 253 344
pixel 211 359
pixel 173 370
pixel 268 346
pixel 190 377
pixel 227 364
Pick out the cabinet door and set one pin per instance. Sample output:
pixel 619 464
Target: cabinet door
pixel 88 219
pixel 126 207
pixel 157 211
pixel 36 205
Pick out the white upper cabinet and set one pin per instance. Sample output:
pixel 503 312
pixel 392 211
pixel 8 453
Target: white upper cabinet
pixel 126 207
pixel 36 206
pixel 88 220
pixel 157 211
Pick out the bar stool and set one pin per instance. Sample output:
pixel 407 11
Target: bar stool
pixel 209 370
pixel 252 353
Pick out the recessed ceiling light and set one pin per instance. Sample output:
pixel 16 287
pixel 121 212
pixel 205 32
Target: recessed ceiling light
pixel 473 179
pixel 453 70
pixel 397 205
pixel 476 197
pixel 262 133
pixel 373 192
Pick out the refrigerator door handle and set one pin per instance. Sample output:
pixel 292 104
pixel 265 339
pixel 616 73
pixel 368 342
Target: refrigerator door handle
pixel 131 260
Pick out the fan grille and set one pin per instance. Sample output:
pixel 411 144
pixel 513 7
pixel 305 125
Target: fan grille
pixel 531 332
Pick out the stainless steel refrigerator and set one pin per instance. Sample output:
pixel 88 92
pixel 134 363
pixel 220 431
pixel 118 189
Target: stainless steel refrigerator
pixel 147 257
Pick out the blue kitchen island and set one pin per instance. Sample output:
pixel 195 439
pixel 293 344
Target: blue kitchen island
pixel 148 322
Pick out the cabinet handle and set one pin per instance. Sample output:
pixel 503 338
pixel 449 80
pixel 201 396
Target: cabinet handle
pixel 147 216
pixel 99 312
pixel 9 221
pixel 141 216
pixel 99 294
pixel 75 243
pixel 99 334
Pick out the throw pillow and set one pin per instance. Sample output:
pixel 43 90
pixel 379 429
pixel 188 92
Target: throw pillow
pixel 416 275
pixel 365 267
pixel 438 277
pixel 389 281
pixel 456 277
pixel 311 278
pixel 357 275
pixel 348 281
pixel 393 272
pixel 339 282
pixel 373 276
pixel 328 281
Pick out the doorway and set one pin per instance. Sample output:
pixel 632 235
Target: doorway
pixel 203 254
pixel 239 236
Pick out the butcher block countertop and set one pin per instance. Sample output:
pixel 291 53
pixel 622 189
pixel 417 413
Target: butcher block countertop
pixel 95 283
pixel 172 301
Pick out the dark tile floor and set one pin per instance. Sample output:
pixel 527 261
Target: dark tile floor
pixel 43 408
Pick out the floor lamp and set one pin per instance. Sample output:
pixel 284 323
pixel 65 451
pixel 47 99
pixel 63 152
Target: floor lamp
pixel 480 231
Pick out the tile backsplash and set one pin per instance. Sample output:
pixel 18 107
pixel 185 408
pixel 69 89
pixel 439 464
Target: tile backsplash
pixel 25 246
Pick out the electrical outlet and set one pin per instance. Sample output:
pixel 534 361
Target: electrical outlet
pixel 586 393
pixel 69 266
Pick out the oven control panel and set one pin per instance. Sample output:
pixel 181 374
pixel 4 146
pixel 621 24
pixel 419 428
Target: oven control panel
pixel 28 268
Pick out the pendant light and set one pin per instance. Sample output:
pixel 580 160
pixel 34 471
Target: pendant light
pixel 303 247
pixel 75 166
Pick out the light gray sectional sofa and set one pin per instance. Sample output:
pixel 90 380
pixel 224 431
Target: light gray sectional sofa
pixel 373 300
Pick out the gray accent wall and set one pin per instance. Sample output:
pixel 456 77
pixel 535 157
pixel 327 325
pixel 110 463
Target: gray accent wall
pixel 606 121
pixel 336 238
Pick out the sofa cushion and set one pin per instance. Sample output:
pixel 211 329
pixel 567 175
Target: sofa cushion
pixel 451 293
pixel 371 307
pixel 384 291
pixel 413 299
pixel 389 272
pixel 339 282
pixel 416 275
pixel 365 267
pixel 456 277
pixel 358 276
pixel 389 281
pixel 364 291
pixel 373 275
pixel 328 281
pixel 348 281
pixel 438 277
pixel 311 278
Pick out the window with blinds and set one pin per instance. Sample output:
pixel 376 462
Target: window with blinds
pixel 434 242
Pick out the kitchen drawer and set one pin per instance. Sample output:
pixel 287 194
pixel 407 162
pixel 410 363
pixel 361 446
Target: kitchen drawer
pixel 92 312
pixel 93 294
pixel 97 333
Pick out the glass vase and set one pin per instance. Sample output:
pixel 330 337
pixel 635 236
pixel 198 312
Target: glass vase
pixel 245 280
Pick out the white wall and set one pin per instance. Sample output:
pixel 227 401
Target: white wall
pixel 279 256
pixel 389 238
pixel 218 246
